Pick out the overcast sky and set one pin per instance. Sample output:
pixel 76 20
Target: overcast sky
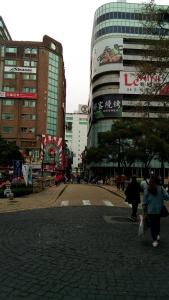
pixel 69 22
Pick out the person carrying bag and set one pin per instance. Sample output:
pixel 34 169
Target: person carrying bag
pixel 153 203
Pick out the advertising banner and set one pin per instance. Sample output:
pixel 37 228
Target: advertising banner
pixel 51 150
pixel 17 168
pixel 18 95
pixel 27 173
pixel 107 106
pixel 107 55
pixel 131 83
pixel 20 70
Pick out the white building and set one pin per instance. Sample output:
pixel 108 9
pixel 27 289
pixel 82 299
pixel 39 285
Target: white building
pixel 76 125
pixel 119 40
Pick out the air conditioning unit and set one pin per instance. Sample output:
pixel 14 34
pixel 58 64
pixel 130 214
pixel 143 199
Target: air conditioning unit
pixel 83 109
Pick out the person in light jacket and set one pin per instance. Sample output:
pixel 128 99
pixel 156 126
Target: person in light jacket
pixel 154 196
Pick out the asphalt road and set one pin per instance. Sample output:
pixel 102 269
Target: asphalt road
pixel 80 252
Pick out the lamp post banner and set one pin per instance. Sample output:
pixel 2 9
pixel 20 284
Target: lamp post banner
pixel 17 168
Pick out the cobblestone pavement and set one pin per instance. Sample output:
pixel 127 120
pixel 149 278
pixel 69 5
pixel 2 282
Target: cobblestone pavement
pixel 80 252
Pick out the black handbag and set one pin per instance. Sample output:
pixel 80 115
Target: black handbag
pixel 164 212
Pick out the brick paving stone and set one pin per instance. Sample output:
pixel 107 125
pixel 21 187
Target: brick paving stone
pixel 73 253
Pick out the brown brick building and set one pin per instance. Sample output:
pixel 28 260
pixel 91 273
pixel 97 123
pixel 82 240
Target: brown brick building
pixel 32 92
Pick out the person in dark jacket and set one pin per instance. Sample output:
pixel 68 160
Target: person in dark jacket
pixel 132 193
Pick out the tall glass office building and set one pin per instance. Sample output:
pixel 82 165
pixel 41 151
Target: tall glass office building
pixel 117 46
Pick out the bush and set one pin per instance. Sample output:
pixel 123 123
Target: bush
pixel 21 189
pixel 2 193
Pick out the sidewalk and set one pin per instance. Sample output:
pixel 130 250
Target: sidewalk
pixel 114 190
pixel 43 199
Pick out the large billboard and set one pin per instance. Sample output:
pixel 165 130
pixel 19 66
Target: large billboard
pixel 107 55
pixel 131 83
pixel 107 106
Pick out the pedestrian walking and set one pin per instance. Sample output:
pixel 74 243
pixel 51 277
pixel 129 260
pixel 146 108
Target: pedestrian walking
pixel 132 193
pixel 144 183
pixel 154 196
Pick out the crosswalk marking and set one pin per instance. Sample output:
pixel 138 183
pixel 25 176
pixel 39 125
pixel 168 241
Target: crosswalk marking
pixel 86 202
pixel 64 203
pixel 108 203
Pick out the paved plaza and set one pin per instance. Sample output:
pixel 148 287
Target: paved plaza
pixel 78 252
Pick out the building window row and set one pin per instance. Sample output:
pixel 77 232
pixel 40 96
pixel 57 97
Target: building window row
pixel 25 89
pixel 25 103
pixel 10 116
pixel 125 29
pixel 13 50
pixel 25 76
pixel 24 130
pixel 26 63
pixel 120 15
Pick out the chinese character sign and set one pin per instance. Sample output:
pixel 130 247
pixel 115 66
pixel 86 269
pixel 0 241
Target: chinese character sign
pixel 107 106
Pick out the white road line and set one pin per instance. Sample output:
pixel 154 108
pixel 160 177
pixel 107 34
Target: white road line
pixel 64 203
pixel 108 203
pixel 86 202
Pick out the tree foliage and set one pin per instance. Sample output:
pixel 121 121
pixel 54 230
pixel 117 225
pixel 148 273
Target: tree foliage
pixel 9 152
pixel 131 141
pixel 156 53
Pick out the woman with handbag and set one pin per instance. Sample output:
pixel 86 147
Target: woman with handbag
pixel 153 202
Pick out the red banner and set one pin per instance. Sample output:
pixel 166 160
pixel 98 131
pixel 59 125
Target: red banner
pixel 18 95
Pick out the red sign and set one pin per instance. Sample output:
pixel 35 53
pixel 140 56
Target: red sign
pixel 18 95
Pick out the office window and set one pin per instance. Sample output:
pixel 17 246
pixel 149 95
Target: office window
pixel 28 117
pixel 30 63
pixel 7 129
pixel 29 90
pixel 7 116
pixel 10 62
pixel 11 50
pixel 8 102
pixel 27 130
pixel 28 103
pixel 68 126
pixel 8 89
pixel 9 75
pixel 30 51
pixel 29 76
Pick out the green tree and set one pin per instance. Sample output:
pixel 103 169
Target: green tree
pixel 156 50
pixel 9 152
pixel 131 141
pixel 95 154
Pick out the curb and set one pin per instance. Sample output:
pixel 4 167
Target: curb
pixel 112 192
